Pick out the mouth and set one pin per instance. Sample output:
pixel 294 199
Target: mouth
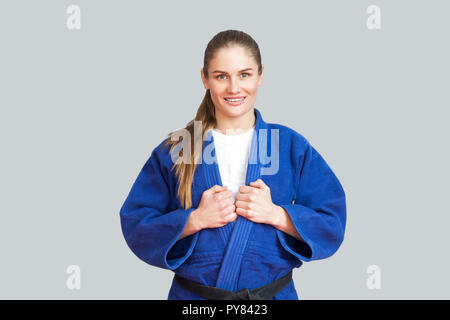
pixel 235 101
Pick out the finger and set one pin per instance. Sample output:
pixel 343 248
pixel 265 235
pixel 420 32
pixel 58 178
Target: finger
pixel 231 217
pixel 258 183
pixel 246 189
pixel 225 196
pixel 243 197
pixel 230 201
pixel 232 213
pixel 241 212
pixel 218 188
pixel 241 204
pixel 228 193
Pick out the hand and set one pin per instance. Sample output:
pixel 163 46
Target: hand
pixel 254 202
pixel 216 208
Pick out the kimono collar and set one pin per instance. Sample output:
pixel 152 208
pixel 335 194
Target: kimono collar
pixel 259 124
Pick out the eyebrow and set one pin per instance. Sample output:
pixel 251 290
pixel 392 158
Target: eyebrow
pixel 218 71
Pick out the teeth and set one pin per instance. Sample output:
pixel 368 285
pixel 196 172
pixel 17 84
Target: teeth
pixel 233 100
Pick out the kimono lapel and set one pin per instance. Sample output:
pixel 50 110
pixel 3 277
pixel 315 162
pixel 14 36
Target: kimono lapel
pixel 235 235
pixel 211 176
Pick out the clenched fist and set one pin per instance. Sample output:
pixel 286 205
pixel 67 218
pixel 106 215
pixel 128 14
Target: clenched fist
pixel 216 208
pixel 254 202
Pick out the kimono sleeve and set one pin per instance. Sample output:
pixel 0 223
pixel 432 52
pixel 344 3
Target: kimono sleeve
pixel 150 229
pixel 318 212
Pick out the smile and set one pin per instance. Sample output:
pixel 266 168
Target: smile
pixel 235 101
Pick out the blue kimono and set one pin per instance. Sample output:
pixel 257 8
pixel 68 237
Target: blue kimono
pixel 242 253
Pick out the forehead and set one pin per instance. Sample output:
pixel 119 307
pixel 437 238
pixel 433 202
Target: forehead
pixel 232 59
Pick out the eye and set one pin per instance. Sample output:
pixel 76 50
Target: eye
pixel 222 75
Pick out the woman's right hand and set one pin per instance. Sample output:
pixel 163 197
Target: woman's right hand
pixel 216 208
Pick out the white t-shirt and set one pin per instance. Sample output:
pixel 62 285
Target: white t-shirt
pixel 232 152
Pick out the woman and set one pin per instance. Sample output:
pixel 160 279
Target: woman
pixel 234 227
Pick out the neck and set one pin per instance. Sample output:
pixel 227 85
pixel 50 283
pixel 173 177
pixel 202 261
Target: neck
pixel 236 125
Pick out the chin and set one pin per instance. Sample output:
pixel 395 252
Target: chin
pixel 235 111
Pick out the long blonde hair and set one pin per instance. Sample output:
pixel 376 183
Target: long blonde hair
pixel 206 112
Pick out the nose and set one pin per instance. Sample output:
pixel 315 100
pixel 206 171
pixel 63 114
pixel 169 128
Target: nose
pixel 233 87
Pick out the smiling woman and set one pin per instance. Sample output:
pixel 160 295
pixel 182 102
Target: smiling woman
pixel 232 229
pixel 237 76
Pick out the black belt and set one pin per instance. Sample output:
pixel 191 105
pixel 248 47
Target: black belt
pixel 213 293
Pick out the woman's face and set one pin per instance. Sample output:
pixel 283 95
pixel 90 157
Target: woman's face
pixel 233 73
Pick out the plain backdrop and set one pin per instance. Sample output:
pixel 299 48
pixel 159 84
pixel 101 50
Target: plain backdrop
pixel 82 110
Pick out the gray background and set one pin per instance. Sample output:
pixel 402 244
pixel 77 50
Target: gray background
pixel 82 110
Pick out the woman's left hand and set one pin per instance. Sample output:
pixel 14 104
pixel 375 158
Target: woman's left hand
pixel 254 202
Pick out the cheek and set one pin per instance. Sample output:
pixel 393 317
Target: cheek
pixel 217 92
pixel 251 88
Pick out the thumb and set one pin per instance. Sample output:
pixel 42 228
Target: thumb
pixel 218 188
pixel 258 183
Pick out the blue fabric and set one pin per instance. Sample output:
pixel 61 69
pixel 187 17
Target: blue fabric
pixel 240 254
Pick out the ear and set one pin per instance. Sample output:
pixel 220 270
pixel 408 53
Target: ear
pixel 261 76
pixel 205 82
